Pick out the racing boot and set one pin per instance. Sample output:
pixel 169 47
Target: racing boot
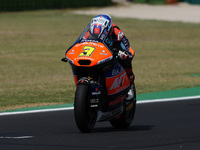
pixel 131 77
pixel 130 94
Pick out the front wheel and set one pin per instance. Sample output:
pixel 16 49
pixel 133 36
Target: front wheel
pixel 127 116
pixel 85 117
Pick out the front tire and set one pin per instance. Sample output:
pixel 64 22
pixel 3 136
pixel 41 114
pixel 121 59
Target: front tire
pixel 85 117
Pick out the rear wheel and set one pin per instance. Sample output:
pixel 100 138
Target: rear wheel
pixel 127 116
pixel 85 117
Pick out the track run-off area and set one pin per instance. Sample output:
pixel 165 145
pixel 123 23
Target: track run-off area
pixel 167 123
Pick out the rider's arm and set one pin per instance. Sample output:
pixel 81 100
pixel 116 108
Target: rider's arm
pixel 123 43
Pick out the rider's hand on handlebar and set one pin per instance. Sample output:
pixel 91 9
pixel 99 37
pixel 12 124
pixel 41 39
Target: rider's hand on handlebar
pixel 123 55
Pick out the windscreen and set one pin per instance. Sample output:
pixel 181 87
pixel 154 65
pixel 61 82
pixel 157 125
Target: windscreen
pixel 104 37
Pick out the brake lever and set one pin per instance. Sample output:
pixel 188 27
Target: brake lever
pixel 64 60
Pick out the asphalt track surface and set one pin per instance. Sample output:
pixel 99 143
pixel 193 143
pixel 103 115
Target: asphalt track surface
pixel 157 126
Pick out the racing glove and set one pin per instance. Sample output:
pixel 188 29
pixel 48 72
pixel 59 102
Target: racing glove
pixel 123 55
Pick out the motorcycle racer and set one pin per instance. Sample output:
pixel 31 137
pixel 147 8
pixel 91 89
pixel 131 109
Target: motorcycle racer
pixel 101 64
pixel 119 42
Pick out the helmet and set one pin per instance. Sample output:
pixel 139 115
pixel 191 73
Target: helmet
pixel 99 24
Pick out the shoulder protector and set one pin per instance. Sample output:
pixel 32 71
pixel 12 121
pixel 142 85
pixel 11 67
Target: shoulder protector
pixel 119 34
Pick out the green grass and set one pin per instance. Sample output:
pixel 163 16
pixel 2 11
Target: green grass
pixel 32 44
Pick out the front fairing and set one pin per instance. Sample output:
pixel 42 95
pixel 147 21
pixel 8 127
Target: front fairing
pixel 89 54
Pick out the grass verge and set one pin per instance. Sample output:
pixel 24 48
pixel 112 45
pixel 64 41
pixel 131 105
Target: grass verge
pixel 32 44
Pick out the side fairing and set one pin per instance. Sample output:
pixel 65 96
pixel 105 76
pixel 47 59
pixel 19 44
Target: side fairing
pixel 116 80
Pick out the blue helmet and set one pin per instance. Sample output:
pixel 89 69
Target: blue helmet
pixel 99 24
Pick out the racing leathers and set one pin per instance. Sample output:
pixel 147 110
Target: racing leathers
pixel 125 52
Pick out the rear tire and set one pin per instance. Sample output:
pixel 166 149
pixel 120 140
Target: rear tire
pixel 85 117
pixel 127 116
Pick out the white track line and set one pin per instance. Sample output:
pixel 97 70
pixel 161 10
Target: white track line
pixel 168 99
pixel 16 137
pixel 35 111
pixel 70 108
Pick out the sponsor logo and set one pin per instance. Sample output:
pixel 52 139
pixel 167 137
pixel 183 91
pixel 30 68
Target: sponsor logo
pixel 103 52
pixel 89 43
pixel 109 42
pixel 116 71
pixel 96 93
pixel 102 36
pixel 120 35
pixel 129 106
pixel 119 81
pixel 99 20
pixel 94 100
pixel 72 52
pixel 117 101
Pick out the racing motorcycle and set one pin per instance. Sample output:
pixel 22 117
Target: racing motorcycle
pixel 102 85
